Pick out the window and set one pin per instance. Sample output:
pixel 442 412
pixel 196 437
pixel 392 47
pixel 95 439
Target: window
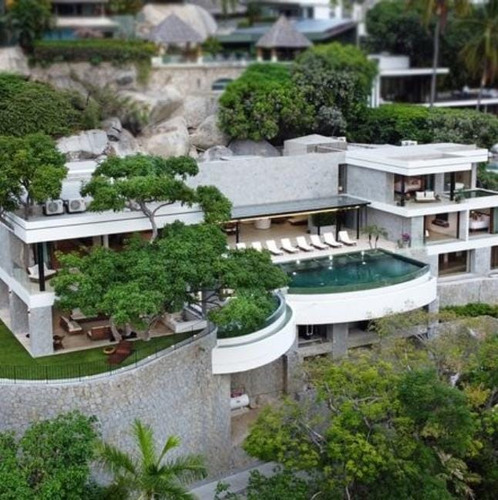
pixel 343 178
pixel 453 263
pixel 494 257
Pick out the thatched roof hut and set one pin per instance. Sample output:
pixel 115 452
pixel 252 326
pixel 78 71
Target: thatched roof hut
pixel 174 31
pixel 283 35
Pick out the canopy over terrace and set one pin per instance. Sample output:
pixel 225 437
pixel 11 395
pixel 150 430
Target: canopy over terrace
pixel 340 204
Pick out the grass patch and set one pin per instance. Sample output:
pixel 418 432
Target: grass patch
pixel 16 362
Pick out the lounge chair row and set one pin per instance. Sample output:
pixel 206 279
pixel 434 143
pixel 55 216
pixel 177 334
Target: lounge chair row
pixel 327 240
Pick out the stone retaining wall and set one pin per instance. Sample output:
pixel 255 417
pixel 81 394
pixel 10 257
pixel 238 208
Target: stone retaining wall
pixel 176 394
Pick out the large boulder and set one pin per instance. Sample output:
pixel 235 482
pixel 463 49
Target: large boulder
pixel 126 145
pixel 253 148
pixel 215 153
pixel 196 108
pixel 86 145
pixel 169 138
pixel 159 105
pixel 113 128
pixel 13 60
pixel 208 134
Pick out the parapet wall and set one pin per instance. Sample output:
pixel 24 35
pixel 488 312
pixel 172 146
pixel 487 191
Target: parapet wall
pixel 176 394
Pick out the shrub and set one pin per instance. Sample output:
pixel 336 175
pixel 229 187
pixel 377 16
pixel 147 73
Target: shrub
pixel 392 123
pixel 474 310
pixel 31 107
pixel 117 52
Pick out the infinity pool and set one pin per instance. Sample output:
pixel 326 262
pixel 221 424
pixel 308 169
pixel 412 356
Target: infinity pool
pixel 351 272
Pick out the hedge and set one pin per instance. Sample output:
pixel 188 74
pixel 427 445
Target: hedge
pixel 94 51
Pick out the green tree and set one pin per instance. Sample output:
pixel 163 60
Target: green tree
pixel 375 431
pixel 51 461
pixel 29 19
pixel 374 232
pixel 336 79
pixel 148 474
pixel 32 171
pixel 22 103
pixel 148 184
pixel 264 103
pixel 438 10
pixel 480 52
pixel 125 7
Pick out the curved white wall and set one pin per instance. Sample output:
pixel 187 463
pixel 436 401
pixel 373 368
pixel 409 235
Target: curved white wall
pixel 319 309
pixel 239 354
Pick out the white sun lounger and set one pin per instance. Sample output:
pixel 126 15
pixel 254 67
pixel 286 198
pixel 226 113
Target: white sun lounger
pixel 344 238
pixel 288 246
pixel 240 246
pixel 317 242
pixel 257 246
pixel 330 240
pixel 272 247
pixel 303 244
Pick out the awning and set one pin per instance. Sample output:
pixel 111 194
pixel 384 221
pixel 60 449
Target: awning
pixel 296 207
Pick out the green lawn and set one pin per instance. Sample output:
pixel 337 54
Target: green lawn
pixel 15 361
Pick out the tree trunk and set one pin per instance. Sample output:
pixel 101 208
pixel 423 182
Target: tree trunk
pixel 117 336
pixel 481 88
pixel 435 60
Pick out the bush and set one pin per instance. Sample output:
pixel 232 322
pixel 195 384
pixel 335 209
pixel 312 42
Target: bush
pixel 474 310
pixel 31 107
pixel 94 51
pixel 392 123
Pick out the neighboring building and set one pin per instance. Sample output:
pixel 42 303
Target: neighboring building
pixel 81 19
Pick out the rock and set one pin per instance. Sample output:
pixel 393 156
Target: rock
pixel 13 60
pixel 169 138
pixel 193 153
pixel 113 128
pixel 126 146
pixel 125 78
pixel 253 148
pixel 84 146
pixel 160 105
pixel 208 134
pixel 215 153
pixel 196 108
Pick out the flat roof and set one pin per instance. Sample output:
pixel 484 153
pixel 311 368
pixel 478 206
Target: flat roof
pixel 296 207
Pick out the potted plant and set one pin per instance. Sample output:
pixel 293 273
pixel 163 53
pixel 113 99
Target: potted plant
pixel 374 232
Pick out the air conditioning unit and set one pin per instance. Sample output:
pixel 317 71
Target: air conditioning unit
pixel 53 207
pixel 75 205
pixel 409 143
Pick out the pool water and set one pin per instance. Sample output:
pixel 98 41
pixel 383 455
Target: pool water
pixel 351 272
pixel 477 193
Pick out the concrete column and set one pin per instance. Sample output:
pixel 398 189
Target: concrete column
pixel 439 183
pixel 330 333
pixel 464 225
pixel 473 175
pixel 340 340
pixel 432 308
pixel 274 57
pixel 292 370
pixel 105 240
pixel 417 231
pixel 4 296
pixel 18 315
pixel 41 331
pixel 259 55
pixel 480 260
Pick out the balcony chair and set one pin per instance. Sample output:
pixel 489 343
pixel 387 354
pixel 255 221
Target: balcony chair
pixel 257 246
pixel 344 238
pixel 329 239
pixel 317 242
pixel 303 244
pixel 272 247
pixel 288 246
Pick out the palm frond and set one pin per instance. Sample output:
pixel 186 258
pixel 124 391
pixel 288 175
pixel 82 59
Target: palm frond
pixel 146 446
pixel 115 460
pixel 172 442
pixel 187 469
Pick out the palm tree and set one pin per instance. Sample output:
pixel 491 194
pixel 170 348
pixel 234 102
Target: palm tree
pixel 438 9
pixel 480 53
pixel 374 232
pixel 145 474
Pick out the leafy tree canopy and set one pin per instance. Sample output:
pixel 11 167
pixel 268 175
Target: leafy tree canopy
pixel 22 103
pixel 390 424
pixel 32 171
pixel 51 461
pixel 149 183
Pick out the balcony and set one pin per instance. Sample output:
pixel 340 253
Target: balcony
pixel 259 348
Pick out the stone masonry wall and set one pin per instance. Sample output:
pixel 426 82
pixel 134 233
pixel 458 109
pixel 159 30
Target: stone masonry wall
pixel 176 394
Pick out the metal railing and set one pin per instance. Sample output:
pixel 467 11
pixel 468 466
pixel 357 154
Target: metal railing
pixel 70 373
